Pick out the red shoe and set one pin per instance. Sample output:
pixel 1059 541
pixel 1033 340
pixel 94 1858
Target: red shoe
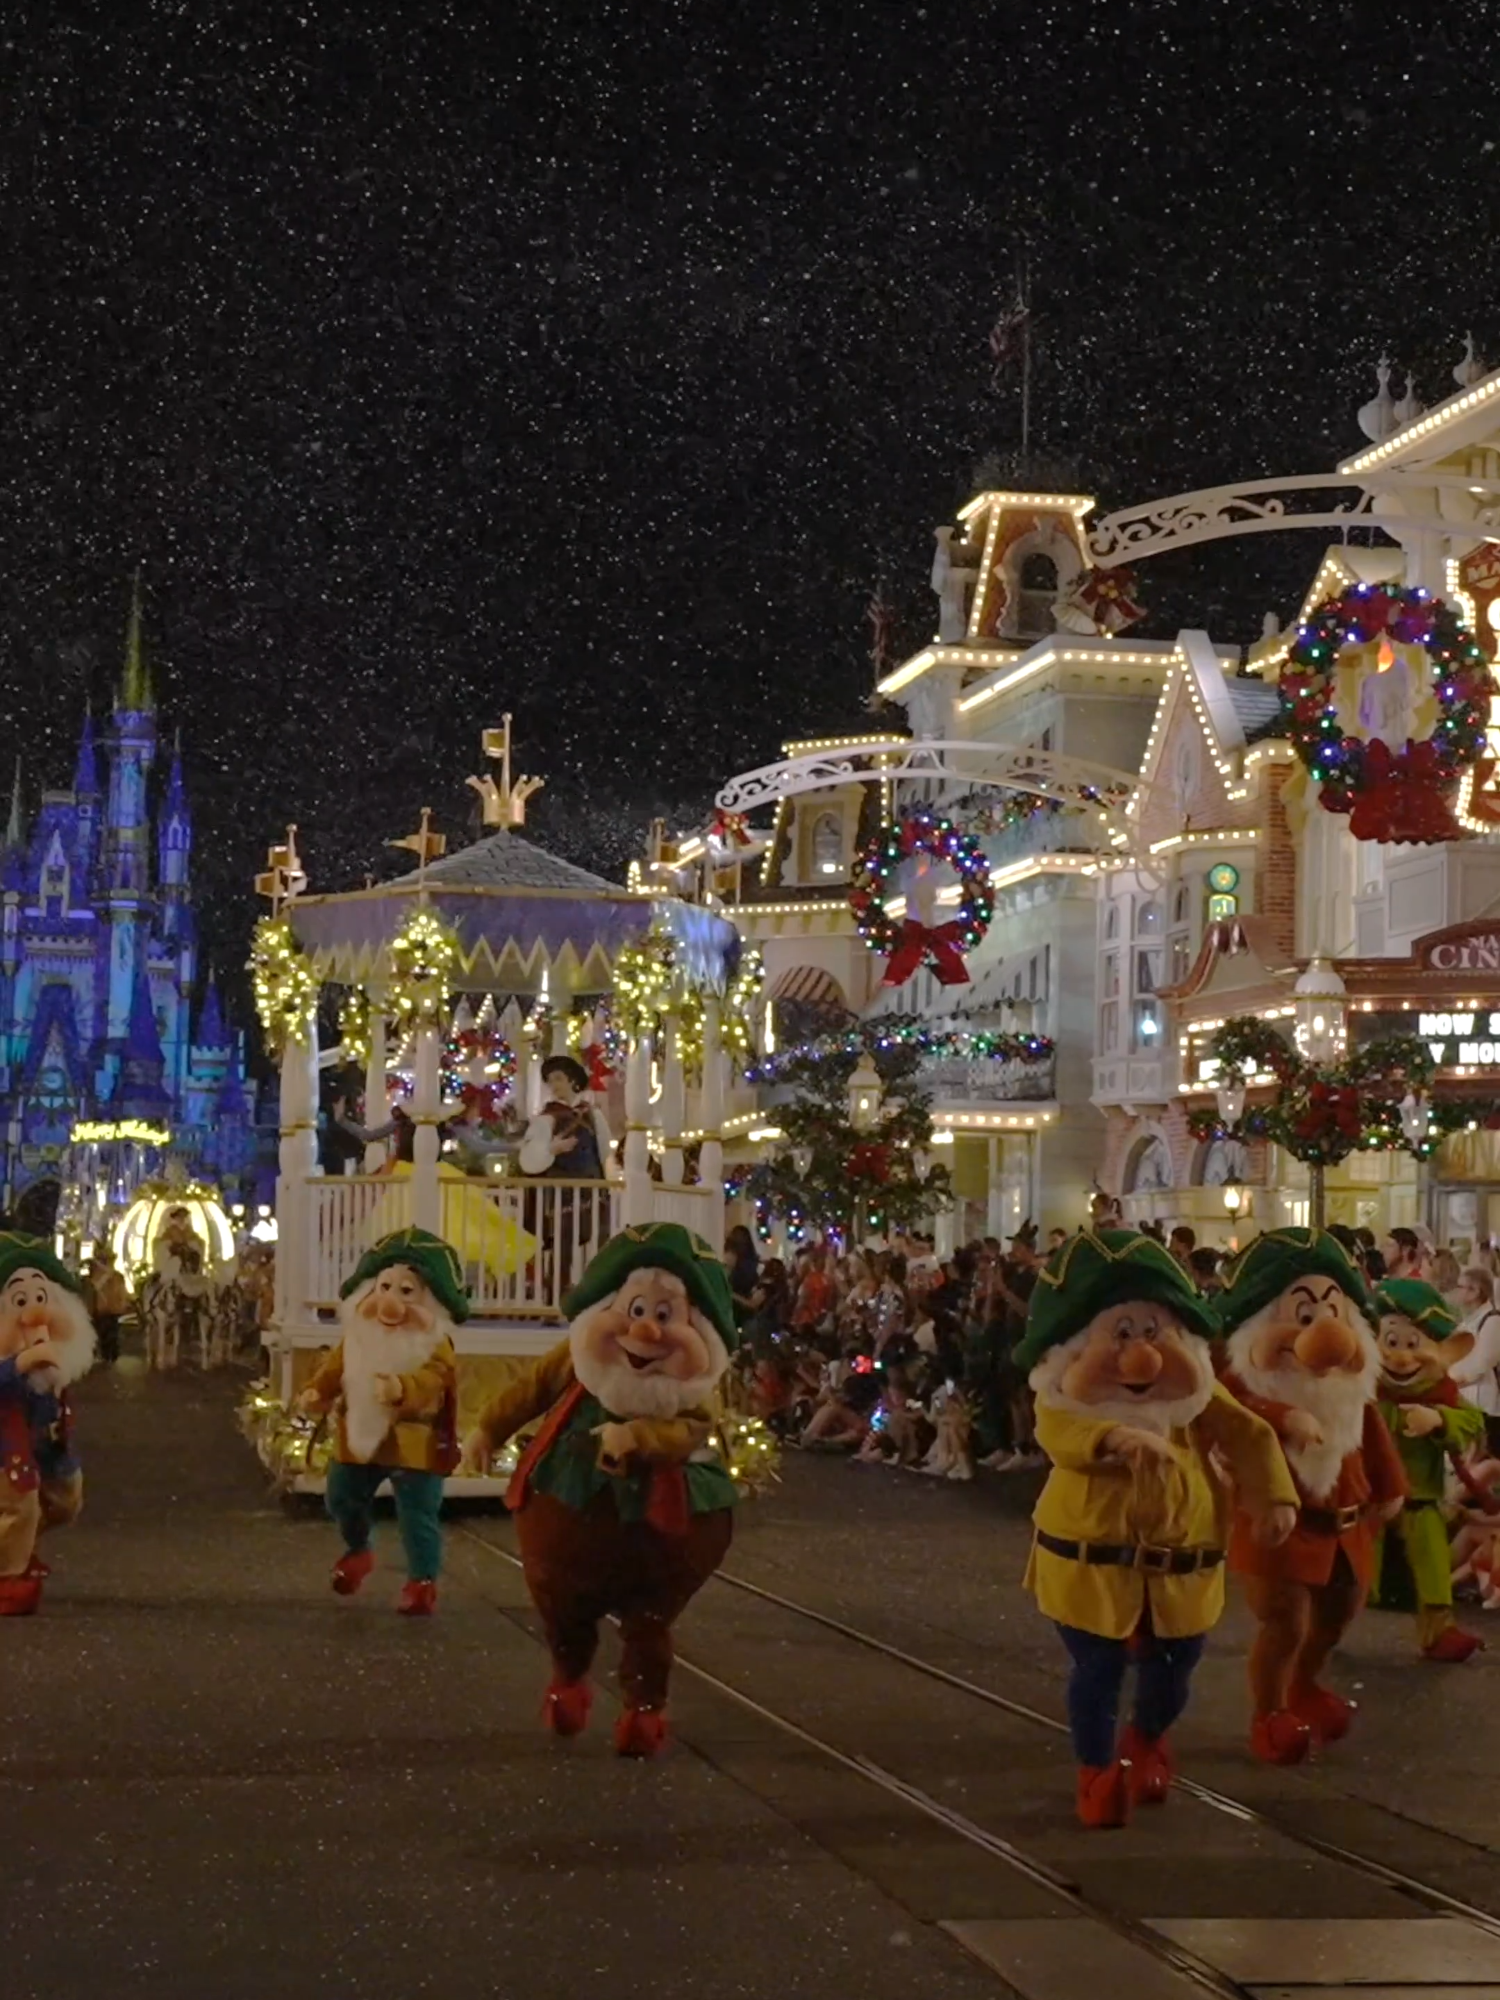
pixel 351 1569
pixel 1103 1794
pixel 1280 1738
pixel 565 1709
pixel 1326 1714
pixel 1149 1767
pixel 417 1600
pixel 37 1568
pixel 19 1596
pixel 640 1732
pixel 1452 1646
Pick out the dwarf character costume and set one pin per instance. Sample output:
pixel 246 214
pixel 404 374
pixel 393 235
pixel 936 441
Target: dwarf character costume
pixel 1300 1352
pixel 391 1384
pixel 1127 1559
pixel 623 1506
pixel 1432 1424
pixel 46 1344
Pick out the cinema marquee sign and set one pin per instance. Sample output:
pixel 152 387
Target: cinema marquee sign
pixel 1457 1038
pixel 1470 951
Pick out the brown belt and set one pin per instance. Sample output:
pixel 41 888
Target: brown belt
pixel 1331 1520
pixel 1132 1555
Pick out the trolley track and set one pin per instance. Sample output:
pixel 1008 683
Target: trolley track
pixel 1013 1857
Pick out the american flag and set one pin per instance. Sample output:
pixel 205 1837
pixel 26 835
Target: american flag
pixel 1008 336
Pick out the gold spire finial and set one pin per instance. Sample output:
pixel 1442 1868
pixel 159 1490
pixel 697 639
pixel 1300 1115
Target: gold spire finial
pixel 503 804
pixel 284 877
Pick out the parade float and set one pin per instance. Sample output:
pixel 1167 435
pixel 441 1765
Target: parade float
pixel 421 973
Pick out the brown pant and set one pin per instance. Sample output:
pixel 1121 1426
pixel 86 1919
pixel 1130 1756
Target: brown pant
pixel 1300 1624
pixel 581 1567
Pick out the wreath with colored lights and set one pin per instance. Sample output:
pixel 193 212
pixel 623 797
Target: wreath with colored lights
pixel 1390 795
pixel 906 943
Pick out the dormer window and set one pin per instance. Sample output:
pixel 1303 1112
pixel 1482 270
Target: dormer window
pixel 1037 597
pixel 828 846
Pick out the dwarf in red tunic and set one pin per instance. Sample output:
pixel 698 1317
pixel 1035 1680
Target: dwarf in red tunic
pixel 1301 1353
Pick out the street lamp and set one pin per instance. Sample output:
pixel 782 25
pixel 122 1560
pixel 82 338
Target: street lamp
pixel 865 1094
pixel 802 1159
pixel 1234 1197
pixel 1231 1101
pixel 1320 1000
pixel 921 1161
pixel 1416 1118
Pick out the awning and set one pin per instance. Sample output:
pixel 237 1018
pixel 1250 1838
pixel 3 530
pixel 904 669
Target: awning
pixel 810 986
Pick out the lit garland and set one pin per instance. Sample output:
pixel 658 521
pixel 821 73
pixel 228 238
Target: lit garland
pixel 354 1026
pixel 1394 795
pixel 286 987
pixel 423 954
pixel 751 1453
pixel 290 1445
pixel 908 945
pixel 740 1002
pixel 478 1069
pixel 909 1032
pixel 643 982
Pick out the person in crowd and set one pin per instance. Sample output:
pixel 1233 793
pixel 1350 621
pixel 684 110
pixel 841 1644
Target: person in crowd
pixel 813 1297
pixel 1403 1254
pixel 1478 1374
pixel 107 1297
pixel 1371 1261
pixel 890 1309
pixel 1203 1269
pixel 1017 1281
pixel 1181 1244
pixel 770 1307
pixel 742 1262
pixel 1056 1238
pixel 1444 1274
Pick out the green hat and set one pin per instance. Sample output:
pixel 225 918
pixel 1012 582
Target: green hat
pixel 1263 1270
pixel 434 1261
pixel 1421 1303
pixel 32 1253
pixel 660 1246
pixel 1099 1268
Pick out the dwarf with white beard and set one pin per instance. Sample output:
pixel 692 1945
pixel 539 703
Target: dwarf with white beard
pixel 392 1385
pixel 46 1344
pixel 1301 1353
pixel 623 1506
pixel 1127 1558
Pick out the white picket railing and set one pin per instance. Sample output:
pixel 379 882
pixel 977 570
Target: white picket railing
pixel 522 1243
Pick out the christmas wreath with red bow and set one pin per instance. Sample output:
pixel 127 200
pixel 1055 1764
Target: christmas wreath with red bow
pixel 907 943
pixel 1405 794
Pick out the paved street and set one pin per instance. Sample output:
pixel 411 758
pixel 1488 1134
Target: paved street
pixel 223 1781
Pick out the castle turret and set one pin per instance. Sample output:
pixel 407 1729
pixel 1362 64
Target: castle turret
pixel 87 796
pixel 126 859
pixel 139 1089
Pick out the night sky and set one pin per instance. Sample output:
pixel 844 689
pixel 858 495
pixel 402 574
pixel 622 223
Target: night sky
pixel 596 361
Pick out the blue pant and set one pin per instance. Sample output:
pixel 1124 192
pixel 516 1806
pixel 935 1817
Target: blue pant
pixel 419 1508
pixel 1164 1673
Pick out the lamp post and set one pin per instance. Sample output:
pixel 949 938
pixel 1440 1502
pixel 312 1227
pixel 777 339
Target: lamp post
pixel 865 1094
pixel 1320 1002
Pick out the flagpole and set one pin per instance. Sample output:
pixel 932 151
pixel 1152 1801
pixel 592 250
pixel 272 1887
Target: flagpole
pixel 1023 292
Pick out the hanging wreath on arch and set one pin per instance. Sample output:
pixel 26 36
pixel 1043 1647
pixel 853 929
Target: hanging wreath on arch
pixel 911 942
pixel 1386 696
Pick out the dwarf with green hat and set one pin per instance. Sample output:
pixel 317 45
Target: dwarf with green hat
pixel 1420 1340
pixel 1300 1351
pixel 46 1344
pixel 1127 1558
pixel 391 1386
pixel 623 1505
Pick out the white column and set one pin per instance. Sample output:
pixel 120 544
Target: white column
pixel 297 1162
pixel 377 1098
pixel 637 1204
pixel 426 1197
pixel 711 1110
pixel 673 1106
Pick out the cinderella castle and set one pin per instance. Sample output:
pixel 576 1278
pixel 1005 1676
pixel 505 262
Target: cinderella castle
pixel 99 962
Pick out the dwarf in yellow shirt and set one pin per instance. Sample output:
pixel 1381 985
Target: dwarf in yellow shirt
pixel 1127 1558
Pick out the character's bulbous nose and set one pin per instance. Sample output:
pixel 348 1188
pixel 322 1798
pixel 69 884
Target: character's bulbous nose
pixel 1140 1361
pixel 1325 1346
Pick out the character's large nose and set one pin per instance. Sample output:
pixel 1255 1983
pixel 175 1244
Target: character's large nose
pixel 1325 1346
pixel 1140 1362
pixel 32 1317
pixel 649 1331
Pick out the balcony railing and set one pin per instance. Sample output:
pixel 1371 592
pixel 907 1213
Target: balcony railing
pixel 976 1081
pixel 523 1243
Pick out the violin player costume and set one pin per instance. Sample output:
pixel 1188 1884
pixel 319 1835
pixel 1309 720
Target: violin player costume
pixel 1127 1558
pixel 622 1504
pixel 1300 1352
pixel 391 1384
pixel 1420 1340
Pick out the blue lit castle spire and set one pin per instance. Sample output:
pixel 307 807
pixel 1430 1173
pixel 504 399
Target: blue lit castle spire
pixel 99 957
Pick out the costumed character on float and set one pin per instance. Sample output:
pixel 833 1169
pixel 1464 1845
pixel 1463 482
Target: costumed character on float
pixel 1432 1424
pixel 1301 1353
pixel 568 1140
pixel 392 1386
pixel 46 1344
pixel 623 1506
pixel 1127 1557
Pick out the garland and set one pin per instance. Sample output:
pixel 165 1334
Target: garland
pixel 1320 1115
pixel 423 954
pixel 479 1069
pixel 910 1033
pixel 643 982
pixel 909 945
pixel 286 987
pixel 354 1026
pixel 1391 795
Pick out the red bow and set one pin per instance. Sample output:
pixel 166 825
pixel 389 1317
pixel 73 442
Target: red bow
pixel 600 1069
pixel 1331 1108
pixel 939 946
pixel 728 829
pixel 869 1162
pixel 1407 797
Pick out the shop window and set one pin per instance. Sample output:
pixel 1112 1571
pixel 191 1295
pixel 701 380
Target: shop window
pixel 1145 1026
pixel 1147 971
pixel 1148 919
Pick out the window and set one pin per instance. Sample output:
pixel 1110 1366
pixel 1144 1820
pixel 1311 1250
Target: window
pixel 1148 919
pixel 1181 961
pixel 1109 1026
pixel 828 845
pixel 1180 903
pixel 1037 595
pixel 1147 971
pixel 1111 974
pixel 1145 1025
pixel 1112 920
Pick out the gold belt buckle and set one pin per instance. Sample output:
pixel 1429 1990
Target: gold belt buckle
pixel 1347 1518
pixel 1157 1561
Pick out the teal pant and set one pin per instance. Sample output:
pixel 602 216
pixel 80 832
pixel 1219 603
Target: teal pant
pixel 419 1512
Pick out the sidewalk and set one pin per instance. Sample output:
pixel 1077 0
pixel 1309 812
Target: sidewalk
pixel 223 1783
